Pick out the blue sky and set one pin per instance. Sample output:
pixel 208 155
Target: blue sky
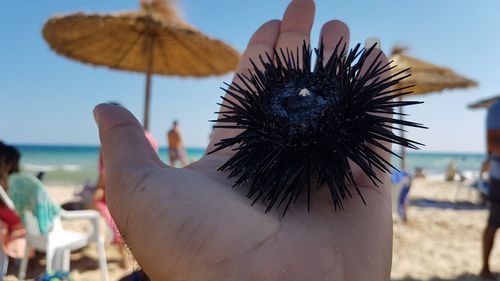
pixel 48 99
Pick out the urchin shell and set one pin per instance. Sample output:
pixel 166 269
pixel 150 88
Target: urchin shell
pixel 301 127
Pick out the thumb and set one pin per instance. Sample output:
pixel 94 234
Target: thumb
pixel 128 156
pixel 129 159
pixel 123 141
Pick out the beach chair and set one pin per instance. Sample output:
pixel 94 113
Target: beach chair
pixel 4 262
pixel 472 182
pixel 42 219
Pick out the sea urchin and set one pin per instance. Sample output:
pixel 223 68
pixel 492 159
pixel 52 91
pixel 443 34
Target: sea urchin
pixel 300 127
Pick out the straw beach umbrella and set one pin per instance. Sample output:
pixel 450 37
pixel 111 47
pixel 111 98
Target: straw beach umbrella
pixel 484 103
pixel 152 40
pixel 426 78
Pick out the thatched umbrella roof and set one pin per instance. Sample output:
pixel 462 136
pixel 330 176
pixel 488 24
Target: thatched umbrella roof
pixel 152 40
pixel 427 77
pixel 484 103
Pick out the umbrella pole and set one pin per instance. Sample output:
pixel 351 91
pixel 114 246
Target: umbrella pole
pixel 402 134
pixel 149 71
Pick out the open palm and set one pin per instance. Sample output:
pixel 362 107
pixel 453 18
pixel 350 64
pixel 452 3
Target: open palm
pixel 190 224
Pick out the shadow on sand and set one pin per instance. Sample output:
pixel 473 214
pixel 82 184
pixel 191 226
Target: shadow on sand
pixel 36 264
pixel 464 277
pixel 442 204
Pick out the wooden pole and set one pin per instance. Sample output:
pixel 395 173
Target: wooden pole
pixel 149 72
pixel 403 149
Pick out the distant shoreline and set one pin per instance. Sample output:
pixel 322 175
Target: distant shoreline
pixel 78 164
pixel 89 146
pixel 96 146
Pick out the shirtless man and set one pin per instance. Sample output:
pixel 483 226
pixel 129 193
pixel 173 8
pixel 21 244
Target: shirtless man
pixel 176 151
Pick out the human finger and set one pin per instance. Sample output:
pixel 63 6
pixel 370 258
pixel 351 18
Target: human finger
pixel 334 35
pixel 262 41
pixel 296 26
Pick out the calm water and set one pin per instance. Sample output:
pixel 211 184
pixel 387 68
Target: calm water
pixel 77 165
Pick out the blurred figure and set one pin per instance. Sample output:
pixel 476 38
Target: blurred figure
pixel 402 180
pixel 483 183
pixel 9 162
pixel 176 150
pixel 485 167
pixel 493 144
pixel 452 172
pixel 12 232
pixel 420 172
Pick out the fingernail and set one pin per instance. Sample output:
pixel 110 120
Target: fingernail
pixel 98 110
pixel 114 103
pixel 373 41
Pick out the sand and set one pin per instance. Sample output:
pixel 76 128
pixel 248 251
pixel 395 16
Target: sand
pixel 441 242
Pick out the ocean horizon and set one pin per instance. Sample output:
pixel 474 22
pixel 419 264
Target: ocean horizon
pixel 76 165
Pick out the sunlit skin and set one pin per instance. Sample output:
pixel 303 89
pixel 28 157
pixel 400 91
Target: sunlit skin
pixel 493 141
pixel 190 224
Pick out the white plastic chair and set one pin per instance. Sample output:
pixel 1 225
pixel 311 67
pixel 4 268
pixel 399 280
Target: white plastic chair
pixel 4 260
pixel 58 242
pixel 467 184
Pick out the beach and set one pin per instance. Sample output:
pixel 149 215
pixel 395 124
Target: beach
pixel 441 241
pixel 284 97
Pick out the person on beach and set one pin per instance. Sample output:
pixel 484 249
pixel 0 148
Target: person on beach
pixel 420 173
pixel 190 224
pixel 176 150
pixel 452 172
pixel 403 180
pixel 493 144
pixel 12 232
pixel 9 162
pixel 485 167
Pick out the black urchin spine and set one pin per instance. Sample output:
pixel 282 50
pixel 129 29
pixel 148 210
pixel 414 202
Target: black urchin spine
pixel 301 127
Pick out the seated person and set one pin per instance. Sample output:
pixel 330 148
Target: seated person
pixel 452 172
pixel 420 172
pixel 12 232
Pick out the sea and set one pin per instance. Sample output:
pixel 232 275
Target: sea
pixel 77 165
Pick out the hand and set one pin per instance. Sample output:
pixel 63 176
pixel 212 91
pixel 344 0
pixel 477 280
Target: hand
pixel 190 224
